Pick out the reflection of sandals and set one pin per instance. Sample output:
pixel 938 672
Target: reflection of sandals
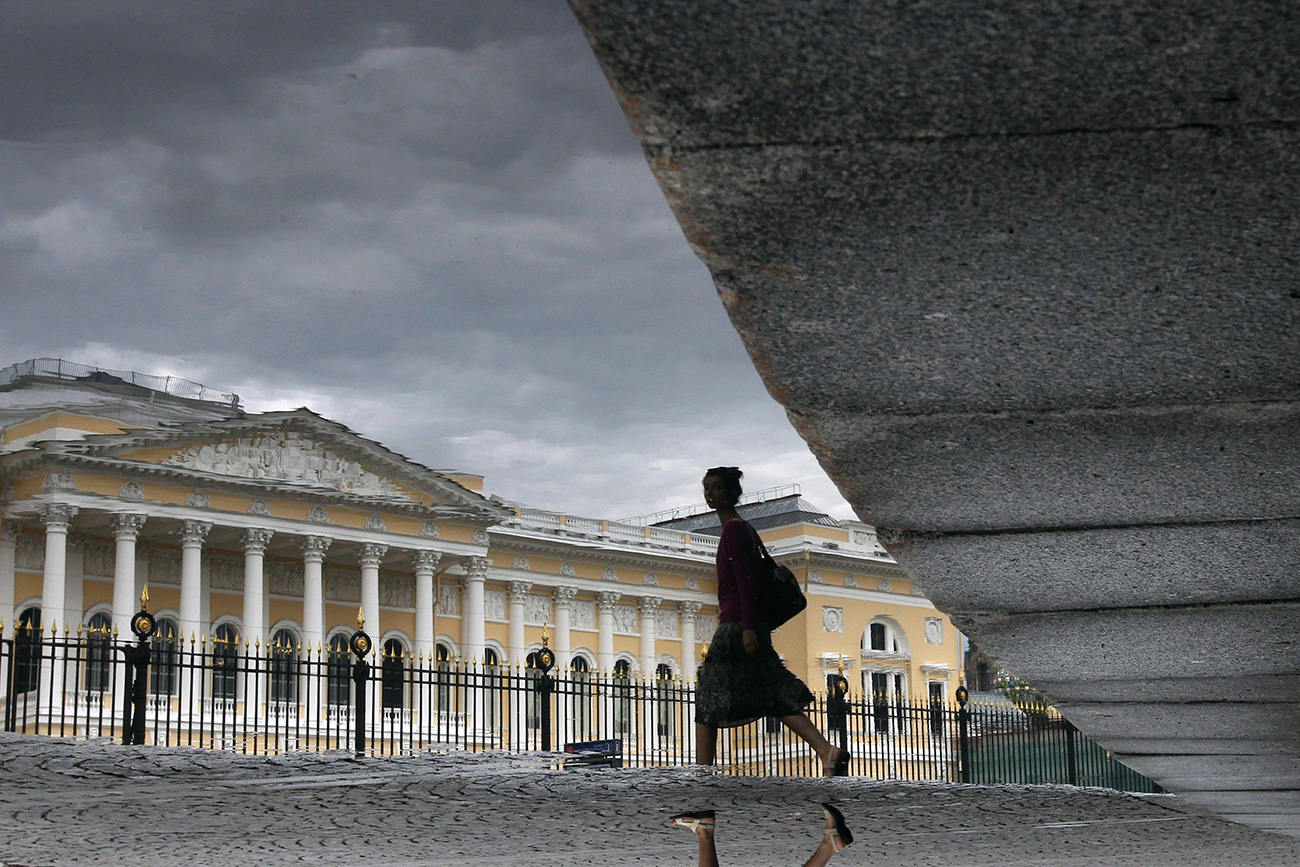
pixel 839 766
pixel 694 821
pixel 840 835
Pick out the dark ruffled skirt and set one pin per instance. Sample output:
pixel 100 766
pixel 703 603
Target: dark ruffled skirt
pixel 734 688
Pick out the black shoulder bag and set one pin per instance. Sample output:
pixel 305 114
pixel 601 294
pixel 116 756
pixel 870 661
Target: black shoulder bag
pixel 779 595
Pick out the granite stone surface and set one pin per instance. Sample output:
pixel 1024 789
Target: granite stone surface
pixel 1024 278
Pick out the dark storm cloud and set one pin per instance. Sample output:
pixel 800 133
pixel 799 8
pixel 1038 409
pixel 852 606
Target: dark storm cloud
pixel 427 220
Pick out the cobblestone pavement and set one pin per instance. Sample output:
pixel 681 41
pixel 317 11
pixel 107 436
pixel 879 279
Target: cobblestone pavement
pixel 100 803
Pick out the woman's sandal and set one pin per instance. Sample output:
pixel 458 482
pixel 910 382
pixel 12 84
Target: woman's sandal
pixel 693 821
pixel 840 835
pixel 837 766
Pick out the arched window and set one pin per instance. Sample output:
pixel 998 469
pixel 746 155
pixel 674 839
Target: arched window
pixel 580 685
pixel 338 671
pixel 225 662
pixel 282 653
pixel 664 700
pixel 533 673
pixel 392 694
pixel 164 661
pixel 27 650
pixel 99 652
pixel 982 679
pixel 442 661
pixel 491 684
pixel 884 636
pixel 622 688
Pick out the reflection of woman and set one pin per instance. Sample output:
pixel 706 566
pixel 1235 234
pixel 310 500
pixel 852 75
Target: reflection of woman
pixel 742 678
pixel 835 837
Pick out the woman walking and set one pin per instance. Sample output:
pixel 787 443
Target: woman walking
pixel 742 679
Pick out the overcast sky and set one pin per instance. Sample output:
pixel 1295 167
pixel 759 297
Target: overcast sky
pixel 425 220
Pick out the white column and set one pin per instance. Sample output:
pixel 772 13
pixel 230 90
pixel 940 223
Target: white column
pixel 564 597
pixel 371 556
pixel 126 529
pixel 192 535
pixel 426 563
pixel 473 633
pixel 255 542
pixel 191 613
pixel 605 603
pixel 56 517
pixel 517 592
pixel 313 592
pixel 649 606
pixel 687 612
pixel 74 574
pixel 54 588
pixel 8 552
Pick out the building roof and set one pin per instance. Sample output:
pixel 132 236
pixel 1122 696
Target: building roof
pixel 762 515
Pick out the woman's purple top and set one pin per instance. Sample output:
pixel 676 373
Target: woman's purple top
pixel 737 565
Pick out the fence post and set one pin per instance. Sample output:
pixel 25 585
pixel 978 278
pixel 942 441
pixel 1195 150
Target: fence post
pixel 837 707
pixel 1071 766
pixel 137 673
pixel 360 645
pixel 545 686
pixel 963 733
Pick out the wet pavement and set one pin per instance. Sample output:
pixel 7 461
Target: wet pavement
pixel 98 803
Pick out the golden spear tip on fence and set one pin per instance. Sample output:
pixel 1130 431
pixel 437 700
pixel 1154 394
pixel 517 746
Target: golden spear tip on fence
pixel 144 598
pixel 361 618
pixel 546 636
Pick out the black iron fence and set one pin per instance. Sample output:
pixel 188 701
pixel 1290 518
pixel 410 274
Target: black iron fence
pixel 269 700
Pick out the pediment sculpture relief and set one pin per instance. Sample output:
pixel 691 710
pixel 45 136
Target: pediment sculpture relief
pixel 285 456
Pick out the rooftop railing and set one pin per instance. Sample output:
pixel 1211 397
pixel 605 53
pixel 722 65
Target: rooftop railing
pixel 58 368
pixel 614 531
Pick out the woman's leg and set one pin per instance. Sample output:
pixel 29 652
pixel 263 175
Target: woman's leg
pixel 702 824
pixel 706 743
pixel 708 853
pixel 804 728
pixel 824 849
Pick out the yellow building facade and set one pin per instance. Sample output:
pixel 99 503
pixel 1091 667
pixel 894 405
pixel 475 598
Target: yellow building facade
pixel 280 526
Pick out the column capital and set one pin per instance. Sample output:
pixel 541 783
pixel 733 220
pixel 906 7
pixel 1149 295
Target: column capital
pixel 476 568
pixel 8 532
pixel 314 547
pixel 517 591
pixel 688 611
pixel 564 596
pixel 372 554
pixel 256 540
pixel 607 600
pixel 57 516
pixel 193 533
pixel 425 561
pixel 127 526
pixel 649 604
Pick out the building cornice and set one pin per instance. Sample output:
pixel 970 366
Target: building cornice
pixel 38 462
pixel 86 501
pixel 604 552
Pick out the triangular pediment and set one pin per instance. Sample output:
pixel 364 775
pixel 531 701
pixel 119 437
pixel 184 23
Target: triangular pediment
pixel 284 456
pixel 287 450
